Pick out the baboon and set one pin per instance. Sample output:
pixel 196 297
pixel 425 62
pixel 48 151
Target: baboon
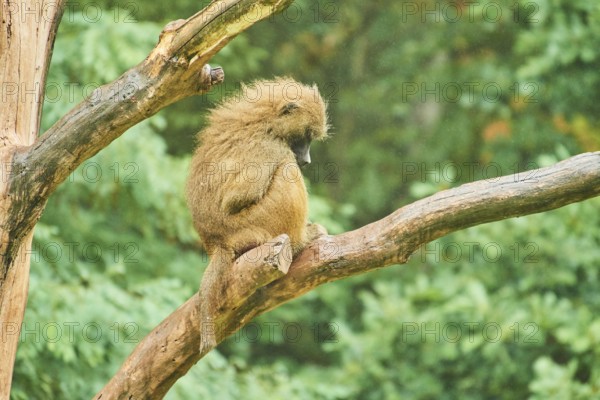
pixel 245 186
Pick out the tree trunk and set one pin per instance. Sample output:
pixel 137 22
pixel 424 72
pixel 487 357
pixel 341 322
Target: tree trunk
pixel 27 35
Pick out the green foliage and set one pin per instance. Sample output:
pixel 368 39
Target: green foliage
pixel 91 50
pixel 504 310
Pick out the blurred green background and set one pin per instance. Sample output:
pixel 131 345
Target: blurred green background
pixel 422 96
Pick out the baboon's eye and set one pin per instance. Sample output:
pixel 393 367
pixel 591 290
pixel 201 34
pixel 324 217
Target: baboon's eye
pixel 288 108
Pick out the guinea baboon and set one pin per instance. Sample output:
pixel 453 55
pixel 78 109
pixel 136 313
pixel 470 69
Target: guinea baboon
pixel 245 186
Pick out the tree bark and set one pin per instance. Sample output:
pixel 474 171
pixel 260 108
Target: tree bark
pixel 27 35
pixel 390 240
pixel 147 379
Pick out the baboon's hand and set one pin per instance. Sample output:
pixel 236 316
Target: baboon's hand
pixel 314 231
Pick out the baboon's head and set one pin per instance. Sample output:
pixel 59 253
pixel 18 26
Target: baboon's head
pixel 279 109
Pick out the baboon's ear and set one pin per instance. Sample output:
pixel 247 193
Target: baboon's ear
pixel 288 108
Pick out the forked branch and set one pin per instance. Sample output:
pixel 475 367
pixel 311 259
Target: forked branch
pixel 390 240
pixel 176 68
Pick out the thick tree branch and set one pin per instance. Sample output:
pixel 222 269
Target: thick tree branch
pixel 149 380
pixel 175 69
pixel 390 240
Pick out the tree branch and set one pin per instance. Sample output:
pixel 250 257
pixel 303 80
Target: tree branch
pixel 390 240
pixel 175 69
pixel 149 380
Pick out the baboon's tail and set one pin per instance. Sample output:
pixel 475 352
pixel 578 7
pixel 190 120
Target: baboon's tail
pixel 212 288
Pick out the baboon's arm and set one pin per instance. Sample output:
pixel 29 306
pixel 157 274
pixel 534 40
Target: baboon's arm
pixel 248 182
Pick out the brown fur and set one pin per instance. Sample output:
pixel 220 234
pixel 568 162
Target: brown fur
pixel 245 186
